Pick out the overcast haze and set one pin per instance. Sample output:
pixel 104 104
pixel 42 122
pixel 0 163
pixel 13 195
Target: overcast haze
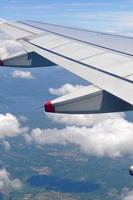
pixel 112 16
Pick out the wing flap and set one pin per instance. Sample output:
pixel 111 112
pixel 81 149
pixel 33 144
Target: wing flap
pixel 27 60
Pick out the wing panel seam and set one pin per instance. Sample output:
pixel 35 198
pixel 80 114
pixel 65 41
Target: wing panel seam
pixel 96 45
pixel 109 73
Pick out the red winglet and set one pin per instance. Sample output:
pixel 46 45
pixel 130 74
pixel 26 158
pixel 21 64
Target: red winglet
pixel 49 107
pixel 1 63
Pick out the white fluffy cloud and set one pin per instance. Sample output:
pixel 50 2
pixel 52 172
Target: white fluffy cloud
pixel 10 126
pixel 111 137
pixel 83 120
pixel 65 89
pixel 7 184
pixel 8 47
pixel 22 74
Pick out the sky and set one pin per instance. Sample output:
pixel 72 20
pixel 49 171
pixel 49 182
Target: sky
pixel 112 16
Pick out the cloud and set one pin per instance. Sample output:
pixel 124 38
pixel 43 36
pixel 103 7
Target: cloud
pixel 10 126
pixel 8 46
pixel 7 184
pixel 22 74
pixel 126 194
pixel 129 196
pixel 111 137
pixel 2 21
pixel 83 120
pixel 28 138
pixel 67 88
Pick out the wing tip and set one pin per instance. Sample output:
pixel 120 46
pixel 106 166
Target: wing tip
pixel 48 107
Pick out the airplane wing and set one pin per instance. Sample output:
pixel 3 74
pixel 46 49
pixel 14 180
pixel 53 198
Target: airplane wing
pixel 103 59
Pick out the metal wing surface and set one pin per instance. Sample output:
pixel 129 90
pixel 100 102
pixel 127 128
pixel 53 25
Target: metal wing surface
pixel 103 59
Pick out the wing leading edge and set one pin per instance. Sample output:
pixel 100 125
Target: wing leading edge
pixel 107 67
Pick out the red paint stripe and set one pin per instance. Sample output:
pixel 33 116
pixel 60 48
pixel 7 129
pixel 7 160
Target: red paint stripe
pixel 49 107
